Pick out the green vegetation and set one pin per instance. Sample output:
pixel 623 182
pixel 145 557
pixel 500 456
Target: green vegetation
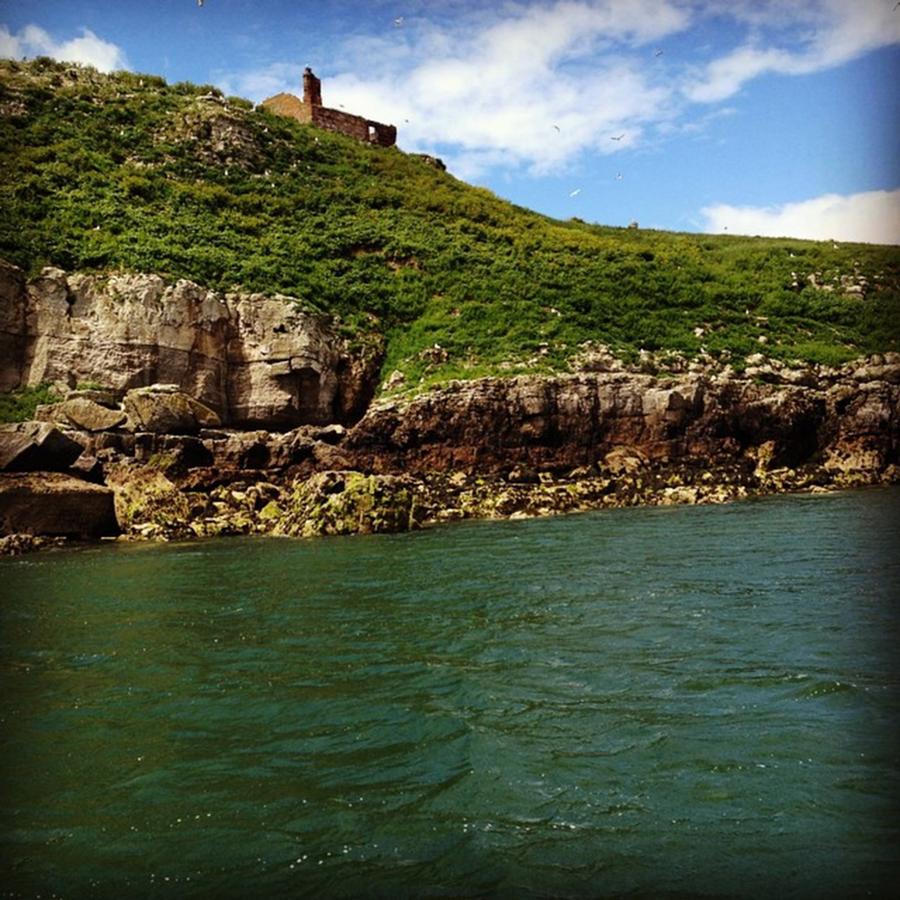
pixel 126 172
pixel 19 406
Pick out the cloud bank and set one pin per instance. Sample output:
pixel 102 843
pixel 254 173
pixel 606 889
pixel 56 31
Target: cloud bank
pixel 534 85
pixel 870 217
pixel 87 49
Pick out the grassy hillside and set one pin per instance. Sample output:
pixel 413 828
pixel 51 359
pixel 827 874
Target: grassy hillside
pixel 126 172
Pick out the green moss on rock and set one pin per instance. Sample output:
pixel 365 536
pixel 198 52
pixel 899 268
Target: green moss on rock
pixel 350 503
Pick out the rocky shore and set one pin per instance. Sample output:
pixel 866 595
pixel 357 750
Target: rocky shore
pixel 189 414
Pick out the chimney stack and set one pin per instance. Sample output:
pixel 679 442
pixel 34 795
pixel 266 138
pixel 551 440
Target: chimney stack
pixel 312 88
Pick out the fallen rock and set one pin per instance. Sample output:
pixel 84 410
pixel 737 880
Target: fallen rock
pixel 36 446
pixel 164 409
pixel 344 502
pixel 17 544
pixel 624 460
pixel 53 503
pixel 145 497
pixel 104 398
pixel 83 413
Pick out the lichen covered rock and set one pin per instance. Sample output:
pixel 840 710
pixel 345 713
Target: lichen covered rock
pixel 349 503
pixel 164 409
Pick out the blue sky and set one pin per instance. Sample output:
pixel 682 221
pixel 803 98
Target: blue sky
pixel 762 117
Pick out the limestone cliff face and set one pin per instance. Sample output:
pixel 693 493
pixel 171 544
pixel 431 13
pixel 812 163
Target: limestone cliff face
pixel 843 421
pixel 255 360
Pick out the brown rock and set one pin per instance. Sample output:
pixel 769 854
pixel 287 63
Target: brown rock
pixel 164 409
pixel 52 503
pixel 33 446
pixel 86 414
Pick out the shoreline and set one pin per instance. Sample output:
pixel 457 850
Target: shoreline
pixel 343 503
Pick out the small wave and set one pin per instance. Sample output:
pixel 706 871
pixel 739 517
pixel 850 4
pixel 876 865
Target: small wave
pixel 825 688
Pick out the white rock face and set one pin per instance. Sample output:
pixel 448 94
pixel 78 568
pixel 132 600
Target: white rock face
pixel 255 360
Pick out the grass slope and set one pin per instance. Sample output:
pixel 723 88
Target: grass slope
pixel 123 171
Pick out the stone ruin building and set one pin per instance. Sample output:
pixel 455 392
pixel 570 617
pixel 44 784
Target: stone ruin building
pixel 310 111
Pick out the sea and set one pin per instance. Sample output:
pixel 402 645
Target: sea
pixel 651 702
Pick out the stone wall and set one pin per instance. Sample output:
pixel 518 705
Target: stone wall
pixel 310 110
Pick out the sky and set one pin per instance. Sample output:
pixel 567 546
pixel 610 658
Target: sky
pixel 769 117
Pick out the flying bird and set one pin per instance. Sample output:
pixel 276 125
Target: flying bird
pixel 658 52
pixel 575 193
pixel 617 137
pixel 556 127
pixel 619 176
pixel 398 21
pixel 199 2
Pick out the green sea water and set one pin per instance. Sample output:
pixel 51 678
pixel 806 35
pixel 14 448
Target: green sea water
pixel 697 701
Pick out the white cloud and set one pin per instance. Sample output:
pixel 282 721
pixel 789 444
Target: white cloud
pixel 869 217
pixel 496 92
pixel 535 84
pixel 795 37
pixel 87 48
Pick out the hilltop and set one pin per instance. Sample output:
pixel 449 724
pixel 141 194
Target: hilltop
pixel 126 173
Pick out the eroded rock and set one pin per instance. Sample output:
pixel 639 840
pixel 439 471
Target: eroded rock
pixel 164 409
pixel 53 503
pixel 349 503
pixel 82 413
pixel 36 446
pixel 258 361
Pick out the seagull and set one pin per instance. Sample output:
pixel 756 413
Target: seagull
pixel 619 176
pixel 575 193
pixel 658 52
pixel 556 127
pixel 398 21
pixel 617 137
pixel 199 2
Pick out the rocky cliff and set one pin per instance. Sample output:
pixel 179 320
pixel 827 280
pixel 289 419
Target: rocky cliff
pixel 255 360
pixel 841 419
pixel 181 458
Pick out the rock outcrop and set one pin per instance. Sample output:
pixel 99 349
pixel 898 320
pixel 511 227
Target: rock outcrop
pixel 562 423
pixel 30 446
pixel 255 360
pixel 53 503
pixel 165 409
pixel 182 366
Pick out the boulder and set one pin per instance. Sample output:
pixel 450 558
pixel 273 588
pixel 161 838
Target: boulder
pixel 625 460
pixel 84 414
pixel 53 503
pixel 346 502
pixel 104 398
pixel 33 446
pixel 145 497
pixel 164 409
